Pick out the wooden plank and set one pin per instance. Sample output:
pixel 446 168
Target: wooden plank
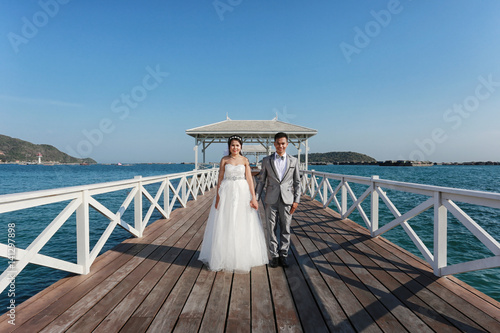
pixel 425 312
pixel 340 279
pixel 331 310
pixel 239 318
pixel 170 310
pixel 50 295
pixel 327 285
pixel 117 317
pixel 120 284
pixel 216 311
pixel 395 282
pixel 192 313
pixel 309 313
pixel 262 305
pixel 167 316
pixel 358 316
pixel 425 285
pixel 60 303
pixel 34 305
pixel 135 324
pixel 126 307
pixel 167 271
pixel 98 310
pixel 79 308
pixel 99 299
pixel 118 272
pixel 441 287
pixel 406 317
pixel 460 312
pixel 356 278
pixel 480 300
pixel 287 317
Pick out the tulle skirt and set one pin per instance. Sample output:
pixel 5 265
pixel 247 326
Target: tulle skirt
pixel 234 237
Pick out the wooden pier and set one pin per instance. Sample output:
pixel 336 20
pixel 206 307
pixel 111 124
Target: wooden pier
pixel 339 279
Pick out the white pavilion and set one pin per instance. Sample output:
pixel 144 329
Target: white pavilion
pixel 252 131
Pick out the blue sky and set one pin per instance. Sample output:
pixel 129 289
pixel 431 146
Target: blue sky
pixel 121 81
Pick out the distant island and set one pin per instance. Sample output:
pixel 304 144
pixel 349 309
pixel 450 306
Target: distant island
pixel 340 157
pixel 14 150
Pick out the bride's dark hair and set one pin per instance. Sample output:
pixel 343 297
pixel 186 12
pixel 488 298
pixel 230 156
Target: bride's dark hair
pixel 231 138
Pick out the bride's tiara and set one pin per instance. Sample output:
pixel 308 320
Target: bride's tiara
pixel 237 137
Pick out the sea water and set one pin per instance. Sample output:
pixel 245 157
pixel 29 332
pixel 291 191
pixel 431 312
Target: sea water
pixel 463 246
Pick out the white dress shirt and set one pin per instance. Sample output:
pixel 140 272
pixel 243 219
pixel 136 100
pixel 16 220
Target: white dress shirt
pixel 280 164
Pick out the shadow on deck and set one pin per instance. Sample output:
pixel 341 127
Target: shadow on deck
pixel 339 279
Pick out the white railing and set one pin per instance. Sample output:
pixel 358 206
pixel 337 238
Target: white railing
pixel 441 199
pixel 81 199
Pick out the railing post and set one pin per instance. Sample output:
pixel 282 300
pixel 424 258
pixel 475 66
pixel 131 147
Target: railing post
pixel 195 185
pixel 303 182
pixel 343 198
pixel 166 197
pixel 440 234
pixel 138 206
pixel 325 191
pixel 82 233
pixel 374 206
pixel 313 186
pixel 184 190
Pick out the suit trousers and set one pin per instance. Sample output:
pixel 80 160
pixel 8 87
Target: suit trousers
pixel 278 214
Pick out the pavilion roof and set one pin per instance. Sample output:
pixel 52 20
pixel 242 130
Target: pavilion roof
pixel 248 128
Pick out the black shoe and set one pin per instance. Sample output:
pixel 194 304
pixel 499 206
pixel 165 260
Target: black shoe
pixel 284 262
pixel 274 263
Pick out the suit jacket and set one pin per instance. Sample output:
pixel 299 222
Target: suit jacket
pixel 288 188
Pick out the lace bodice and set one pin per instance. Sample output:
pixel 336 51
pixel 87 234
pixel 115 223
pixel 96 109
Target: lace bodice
pixel 234 172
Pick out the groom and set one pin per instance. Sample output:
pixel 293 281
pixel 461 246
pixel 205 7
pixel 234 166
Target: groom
pixel 280 176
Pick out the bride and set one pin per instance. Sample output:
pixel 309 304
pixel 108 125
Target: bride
pixel 234 238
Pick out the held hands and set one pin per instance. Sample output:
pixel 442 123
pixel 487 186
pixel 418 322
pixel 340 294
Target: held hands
pixel 254 204
pixel 294 207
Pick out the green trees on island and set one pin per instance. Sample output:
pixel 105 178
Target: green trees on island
pixel 340 157
pixel 14 150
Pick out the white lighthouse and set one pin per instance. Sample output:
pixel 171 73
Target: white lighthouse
pixel 39 158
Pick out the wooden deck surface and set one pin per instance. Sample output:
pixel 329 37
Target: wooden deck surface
pixel 339 280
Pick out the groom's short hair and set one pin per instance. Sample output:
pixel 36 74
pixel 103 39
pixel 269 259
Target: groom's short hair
pixel 280 135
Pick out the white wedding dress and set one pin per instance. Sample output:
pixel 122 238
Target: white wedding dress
pixel 234 237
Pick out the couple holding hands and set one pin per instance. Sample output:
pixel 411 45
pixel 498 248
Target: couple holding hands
pixel 234 237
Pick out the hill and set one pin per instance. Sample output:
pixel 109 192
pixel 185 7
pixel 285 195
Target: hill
pixel 340 157
pixel 12 150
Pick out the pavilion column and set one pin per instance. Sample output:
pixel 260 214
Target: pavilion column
pixel 204 148
pixel 307 154
pixel 298 152
pixel 196 155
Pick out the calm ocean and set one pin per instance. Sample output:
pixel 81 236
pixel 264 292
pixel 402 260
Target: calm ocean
pixel 30 222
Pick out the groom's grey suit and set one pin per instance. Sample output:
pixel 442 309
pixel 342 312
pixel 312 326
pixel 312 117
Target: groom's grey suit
pixel 280 195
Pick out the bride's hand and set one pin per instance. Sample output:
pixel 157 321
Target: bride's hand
pixel 254 204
